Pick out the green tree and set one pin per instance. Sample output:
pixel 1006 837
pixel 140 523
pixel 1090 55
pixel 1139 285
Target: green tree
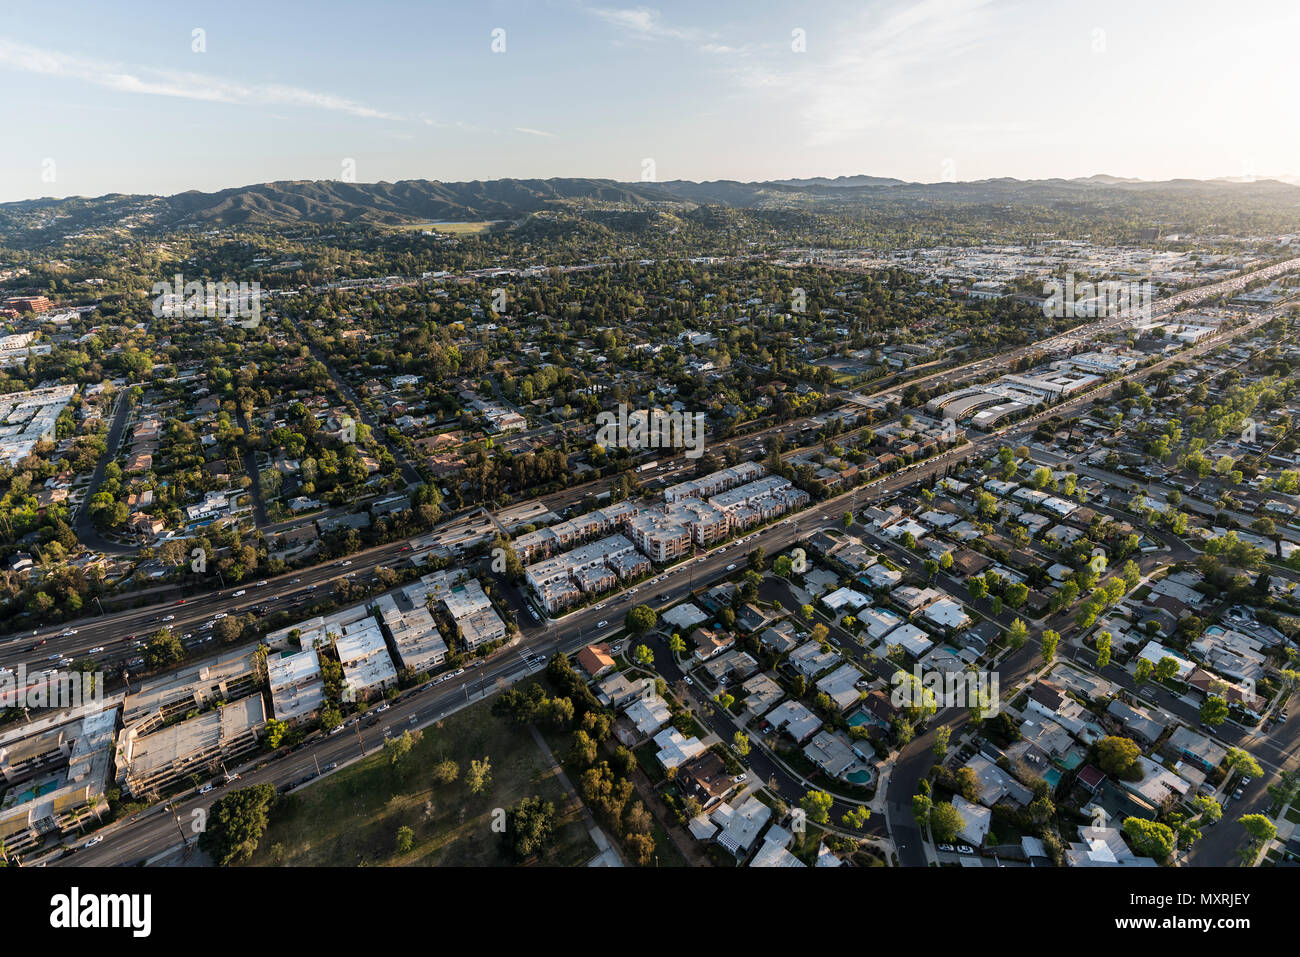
pixel 946 822
pixel 640 619
pixel 405 839
pixel 921 805
pixel 1241 762
pixel 236 824
pixel 163 648
pixel 643 656
pixel 1149 838
pixel 1166 668
pixel 530 827
pixel 942 736
pixel 1119 756
pixel 740 741
pixel 817 805
pixel 1214 711
pixel 856 818
pixel 1103 649
pixel 479 776
pixel 275 731
pixel 1050 640
pixel 1017 635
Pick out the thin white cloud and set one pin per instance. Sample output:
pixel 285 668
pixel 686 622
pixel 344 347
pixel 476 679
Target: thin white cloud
pixel 183 85
pixel 641 21
pixel 532 132
pixel 867 76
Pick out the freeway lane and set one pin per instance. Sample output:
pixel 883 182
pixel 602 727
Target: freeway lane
pixel 147 833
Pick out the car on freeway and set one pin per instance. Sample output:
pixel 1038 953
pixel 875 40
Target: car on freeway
pixel 206 788
pixel 169 618
pixel 731 568
pixel 382 708
pixel 219 615
pixel 239 594
pixel 67 632
pixel 347 563
pixel 262 584
pixel 602 623
pixel 330 767
pixel 97 839
pixel 96 650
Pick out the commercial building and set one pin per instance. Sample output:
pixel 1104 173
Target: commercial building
pixel 297 691
pixel 148 763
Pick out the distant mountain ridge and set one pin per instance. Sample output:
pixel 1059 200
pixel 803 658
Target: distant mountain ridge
pixel 407 202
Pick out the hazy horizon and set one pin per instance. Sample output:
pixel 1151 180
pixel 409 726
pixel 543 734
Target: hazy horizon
pixel 208 97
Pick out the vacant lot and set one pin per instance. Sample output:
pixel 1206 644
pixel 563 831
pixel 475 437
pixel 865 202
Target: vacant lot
pixel 352 817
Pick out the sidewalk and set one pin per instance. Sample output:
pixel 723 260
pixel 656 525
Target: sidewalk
pixel 608 856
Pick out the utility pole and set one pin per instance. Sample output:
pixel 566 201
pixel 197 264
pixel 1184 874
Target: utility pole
pixel 360 742
pixel 177 818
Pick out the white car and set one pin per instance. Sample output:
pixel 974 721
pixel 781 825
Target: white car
pixel 601 624
pixel 239 594
pixel 262 584
pixel 169 617
pixel 731 568
pixel 219 615
pixel 96 650
pixel 97 839
pixel 346 564
pixel 67 632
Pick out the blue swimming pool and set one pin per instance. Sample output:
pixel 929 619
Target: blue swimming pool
pixel 860 776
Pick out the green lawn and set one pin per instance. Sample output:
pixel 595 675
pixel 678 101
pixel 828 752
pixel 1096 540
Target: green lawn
pixel 351 818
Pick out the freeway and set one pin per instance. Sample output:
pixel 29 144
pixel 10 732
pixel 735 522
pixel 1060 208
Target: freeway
pixel 151 831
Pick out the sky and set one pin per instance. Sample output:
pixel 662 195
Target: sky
pixel 180 95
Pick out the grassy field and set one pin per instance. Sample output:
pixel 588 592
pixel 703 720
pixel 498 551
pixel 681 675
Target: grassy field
pixel 450 229
pixel 351 818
